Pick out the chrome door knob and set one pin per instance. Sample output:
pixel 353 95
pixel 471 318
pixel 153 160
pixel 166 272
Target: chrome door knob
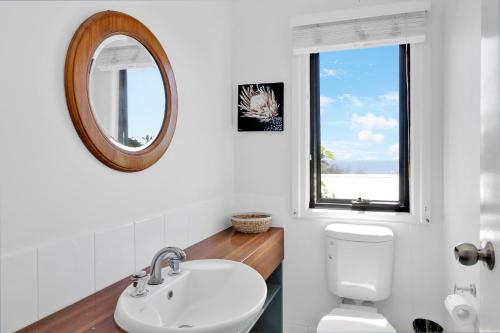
pixel 468 254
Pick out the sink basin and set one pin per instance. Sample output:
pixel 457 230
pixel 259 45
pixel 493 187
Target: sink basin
pixel 209 296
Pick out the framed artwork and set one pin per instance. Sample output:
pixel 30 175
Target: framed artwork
pixel 260 107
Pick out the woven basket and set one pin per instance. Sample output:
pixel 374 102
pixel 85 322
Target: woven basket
pixel 252 223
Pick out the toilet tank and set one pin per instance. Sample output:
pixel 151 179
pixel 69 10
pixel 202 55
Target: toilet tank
pixel 359 261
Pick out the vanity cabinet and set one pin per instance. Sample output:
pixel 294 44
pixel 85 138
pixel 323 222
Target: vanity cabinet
pixel 270 318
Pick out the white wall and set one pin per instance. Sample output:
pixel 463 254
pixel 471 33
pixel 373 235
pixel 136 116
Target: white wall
pixel 462 44
pixel 262 53
pixel 69 224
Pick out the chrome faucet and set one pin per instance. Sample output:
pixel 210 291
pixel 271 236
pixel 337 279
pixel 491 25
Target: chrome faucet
pixel 174 255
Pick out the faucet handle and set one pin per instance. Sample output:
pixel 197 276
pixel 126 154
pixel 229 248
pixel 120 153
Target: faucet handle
pixel 139 281
pixel 174 262
pixel 183 255
pixel 180 255
pixel 175 267
pixel 139 275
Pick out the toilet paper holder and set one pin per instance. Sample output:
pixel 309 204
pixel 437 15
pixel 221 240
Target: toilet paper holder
pixel 470 289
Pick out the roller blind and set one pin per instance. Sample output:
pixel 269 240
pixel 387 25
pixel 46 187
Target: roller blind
pixel 401 28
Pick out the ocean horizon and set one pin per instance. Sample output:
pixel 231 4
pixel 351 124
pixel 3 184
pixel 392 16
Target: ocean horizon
pixel 365 166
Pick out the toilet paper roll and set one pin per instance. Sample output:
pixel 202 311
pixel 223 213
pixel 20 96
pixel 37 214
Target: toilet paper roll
pixel 460 310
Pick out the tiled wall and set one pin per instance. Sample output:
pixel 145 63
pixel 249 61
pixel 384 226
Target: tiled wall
pixel 39 281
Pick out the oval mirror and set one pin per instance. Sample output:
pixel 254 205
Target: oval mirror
pixel 120 91
pixel 126 92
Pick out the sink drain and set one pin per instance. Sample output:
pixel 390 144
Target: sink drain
pixel 186 326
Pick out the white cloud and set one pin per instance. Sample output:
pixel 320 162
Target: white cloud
pixel 368 135
pixel 351 100
pixel 325 101
pixel 392 96
pixel 394 151
pixel 330 72
pixel 371 121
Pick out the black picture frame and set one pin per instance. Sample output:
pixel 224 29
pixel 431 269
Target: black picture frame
pixel 260 107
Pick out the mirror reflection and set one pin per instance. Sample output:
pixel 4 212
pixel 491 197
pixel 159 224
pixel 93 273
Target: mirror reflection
pixel 127 94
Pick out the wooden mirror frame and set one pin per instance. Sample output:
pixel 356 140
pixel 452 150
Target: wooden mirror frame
pixel 87 38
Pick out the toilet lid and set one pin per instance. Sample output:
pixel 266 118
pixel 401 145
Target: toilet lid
pixel 348 320
pixel 359 233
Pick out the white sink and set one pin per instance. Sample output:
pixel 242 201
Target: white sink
pixel 209 296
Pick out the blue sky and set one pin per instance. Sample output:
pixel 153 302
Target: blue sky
pixel 146 102
pixel 359 92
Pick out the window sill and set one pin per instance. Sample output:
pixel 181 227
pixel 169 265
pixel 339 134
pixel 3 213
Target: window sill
pixel 360 216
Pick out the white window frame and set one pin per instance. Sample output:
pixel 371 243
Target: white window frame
pixel 420 148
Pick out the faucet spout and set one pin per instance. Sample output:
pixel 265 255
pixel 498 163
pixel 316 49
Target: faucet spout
pixel 174 254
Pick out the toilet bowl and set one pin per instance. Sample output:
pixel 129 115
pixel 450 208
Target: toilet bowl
pixel 354 320
pixel 359 268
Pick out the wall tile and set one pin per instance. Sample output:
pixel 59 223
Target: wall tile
pixel 176 228
pixel 149 238
pixel 200 223
pixel 205 219
pixel 18 290
pixel 114 255
pixel 65 273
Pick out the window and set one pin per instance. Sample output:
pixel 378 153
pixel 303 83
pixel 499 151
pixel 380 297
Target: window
pixel 360 126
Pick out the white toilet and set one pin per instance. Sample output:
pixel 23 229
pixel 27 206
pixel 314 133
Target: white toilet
pixel 359 268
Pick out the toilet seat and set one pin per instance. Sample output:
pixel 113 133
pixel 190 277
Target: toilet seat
pixel 349 320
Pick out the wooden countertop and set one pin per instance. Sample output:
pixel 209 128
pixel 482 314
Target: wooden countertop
pixel 264 252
